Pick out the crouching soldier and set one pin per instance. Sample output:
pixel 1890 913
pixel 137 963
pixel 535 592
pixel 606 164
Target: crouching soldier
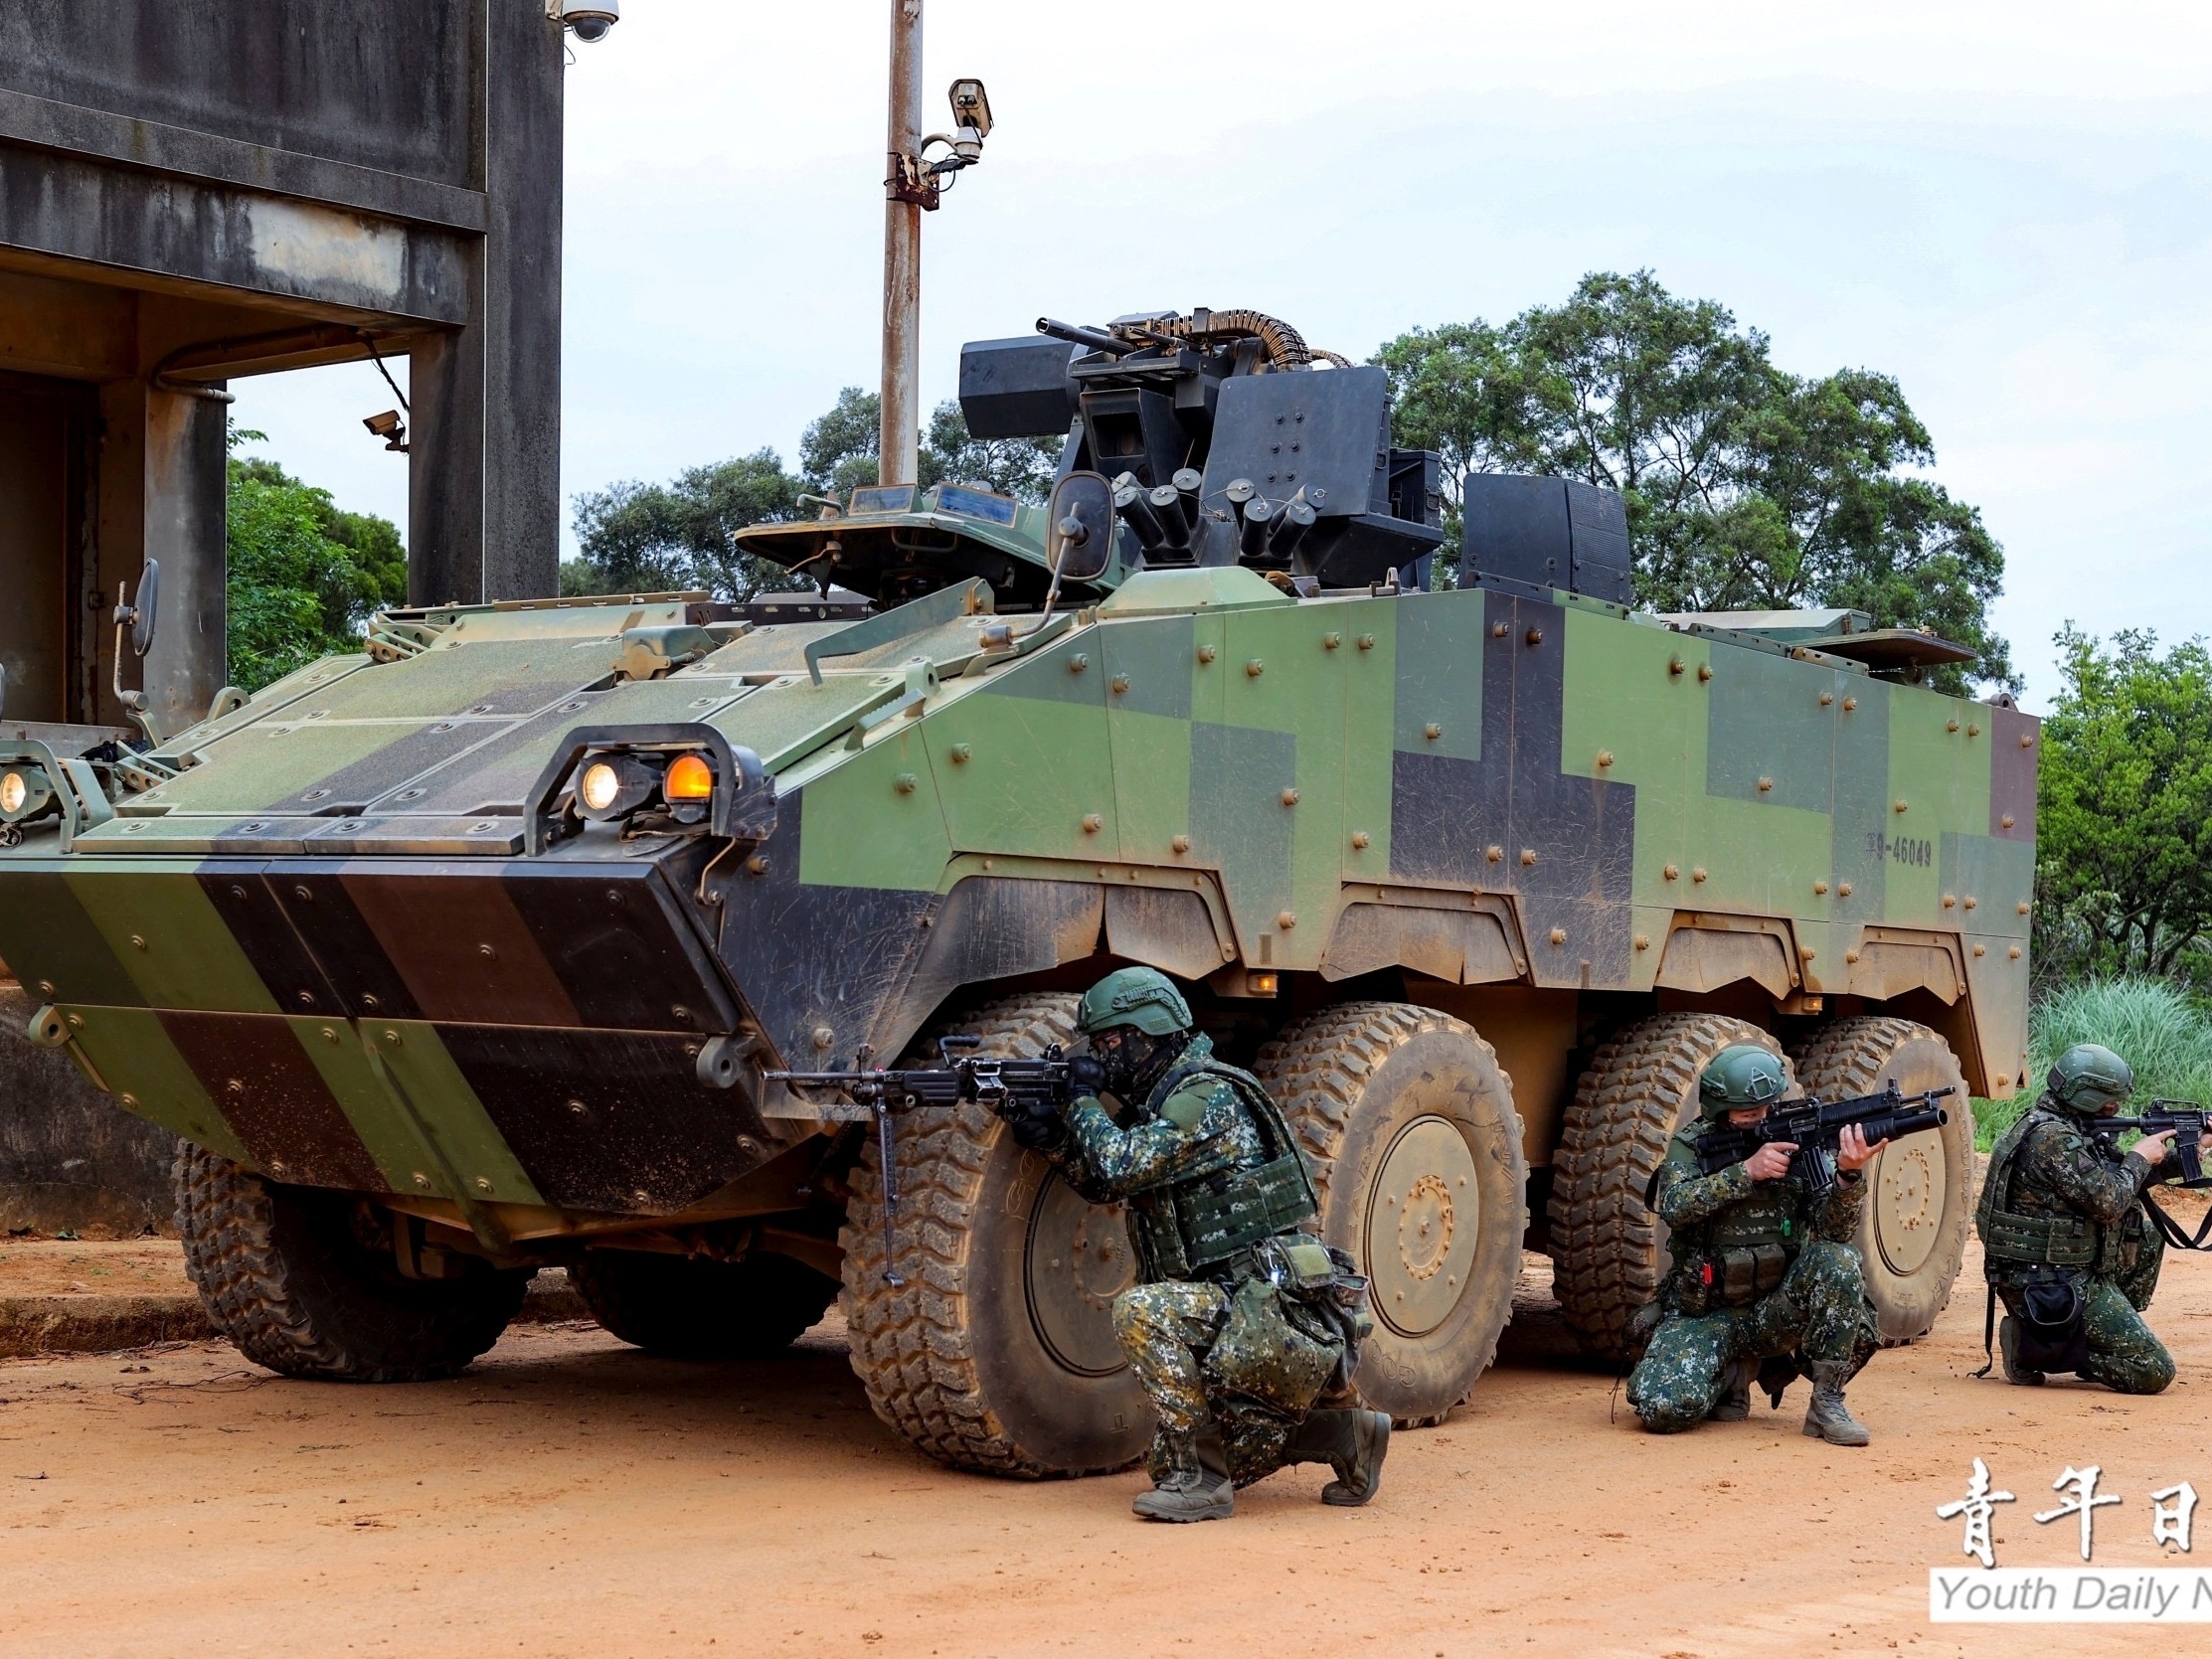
pixel 1237 1324
pixel 1766 1282
pixel 2068 1245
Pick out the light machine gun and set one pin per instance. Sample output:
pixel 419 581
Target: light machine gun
pixel 1815 1128
pixel 1010 1088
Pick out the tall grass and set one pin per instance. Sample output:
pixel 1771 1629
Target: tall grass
pixel 2148 1023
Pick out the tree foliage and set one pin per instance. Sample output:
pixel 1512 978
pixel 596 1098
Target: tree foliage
pixel 1746 487
pixel 303 576
pixel 646 537
pixel 2123 834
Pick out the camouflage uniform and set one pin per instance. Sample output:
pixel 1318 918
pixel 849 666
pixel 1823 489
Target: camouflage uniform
pixel 1197 1125
pixel 2060 1174
pixel 1817 1310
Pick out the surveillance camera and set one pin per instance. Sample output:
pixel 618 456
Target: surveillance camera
pixel 590 23
pixel 970 109
pixel 390 427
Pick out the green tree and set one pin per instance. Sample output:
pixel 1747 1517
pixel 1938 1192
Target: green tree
pixel 637 537
pixel 303 575
pixel 2123 829
pixel 1746 487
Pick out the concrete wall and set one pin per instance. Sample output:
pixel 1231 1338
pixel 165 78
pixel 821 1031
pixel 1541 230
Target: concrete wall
pixel 70 1157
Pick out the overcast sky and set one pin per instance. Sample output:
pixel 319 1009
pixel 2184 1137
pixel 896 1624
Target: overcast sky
pixel 2006 206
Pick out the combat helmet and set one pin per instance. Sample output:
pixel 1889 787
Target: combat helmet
pixel 2089 1077
pixel 1740 1076
pixel 1142 997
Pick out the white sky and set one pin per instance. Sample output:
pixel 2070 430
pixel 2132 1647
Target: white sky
pixel 2006 206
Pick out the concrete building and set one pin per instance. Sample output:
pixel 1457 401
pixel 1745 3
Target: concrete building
pixel 193 191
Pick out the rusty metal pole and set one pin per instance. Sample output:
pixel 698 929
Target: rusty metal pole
pixel 901 252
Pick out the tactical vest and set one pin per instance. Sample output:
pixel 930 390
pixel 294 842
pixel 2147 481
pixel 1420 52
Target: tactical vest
pixel 2011 1240
pixel 1183 1229
pixel 1738 1256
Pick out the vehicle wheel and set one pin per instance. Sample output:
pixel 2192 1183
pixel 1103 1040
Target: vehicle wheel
pixel 295 1279
pixel 998 1353
pixel 689 1308
pixel 1609 1250
pixel 1913 1235
pixel 1415 1149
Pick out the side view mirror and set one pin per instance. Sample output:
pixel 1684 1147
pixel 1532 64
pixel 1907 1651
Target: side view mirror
pixel 1079 539
pixel 139 617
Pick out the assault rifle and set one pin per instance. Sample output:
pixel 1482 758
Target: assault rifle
pixel 1815 1128
pixel 2185 1119
pixel 1008 1088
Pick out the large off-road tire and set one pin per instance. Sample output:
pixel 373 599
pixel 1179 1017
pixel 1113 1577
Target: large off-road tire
pixel 1913 1235
pixel 1416 1148
pixel 689 1308
pixel 998 1353
pixel 1609 1250
pixel 287 1275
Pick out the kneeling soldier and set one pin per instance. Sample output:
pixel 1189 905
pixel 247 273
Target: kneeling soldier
pixel 1762 1272
pixel 2068 1245
pixel 1237 1324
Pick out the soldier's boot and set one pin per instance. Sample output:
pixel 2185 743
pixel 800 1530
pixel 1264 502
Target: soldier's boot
pixel 1734 1405
pixel 2008 1345
pixel 1196 1486
pixel 1828 1417
pixel 1353 1444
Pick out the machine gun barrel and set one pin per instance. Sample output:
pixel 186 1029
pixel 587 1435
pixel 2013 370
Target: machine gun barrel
pixel 1815 1128
pixel 1097 339
pixel 2184 1118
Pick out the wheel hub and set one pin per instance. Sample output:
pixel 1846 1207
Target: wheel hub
pixel 1423 1215
pixel 1909 1181
pixel 1079 1261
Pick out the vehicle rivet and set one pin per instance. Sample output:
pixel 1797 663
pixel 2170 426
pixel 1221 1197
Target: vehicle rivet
pixel 46 987
pixel 330 1034
pixel 1697 873
pixel 1180 844
pixel 1844 891
pixel 1256 668
pixel 1972 730
pixel 1949 900
pixel 1330 642
pixel 1971 901
pixel 306 999
pixel 367 1001
pixel 1605 757
pixel 422 1180
pixel 1559 936
pixel 1497 630
pixel 1366 642
pixel 1289 798
pixel 1851 956
pixel 130 1103
pixel 1820 887
pixel 906 783
pixel 1092 823
pixel 1496 855
pixel 2022 908
pixel 1077 663
pixel 1535 636
pixel 960 752
pixel 1670 873
pixel 1805 952
pixel 77 1022
pixel 483 1183
pixel 641 1197
pixel 2006 821
pixel 1899 807
pixel 1674 665
pixel 757 864
pixel 1704 671
pixel 824 1037
pixel 1205 653
pixel 1431 731
pixel 1528 856
pixel 1286 920
pixel 486 950
pixel 2014 953
pixel 1826 698
pixel 1642 943
pixel 579 1108
pixel 2027 742
pixel 235 1087
pixel 1950 726
pixel 137 942
pixel 393 1038
pixel 1850 703
pixel 1360 840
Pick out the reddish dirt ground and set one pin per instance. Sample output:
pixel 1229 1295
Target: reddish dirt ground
pixel 571 1496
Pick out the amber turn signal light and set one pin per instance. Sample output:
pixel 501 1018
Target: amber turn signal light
pixel 689 778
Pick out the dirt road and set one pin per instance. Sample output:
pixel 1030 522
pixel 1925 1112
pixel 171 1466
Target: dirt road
pixel 571 1496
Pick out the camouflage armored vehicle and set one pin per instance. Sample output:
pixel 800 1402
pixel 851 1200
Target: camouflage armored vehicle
pixel 468 954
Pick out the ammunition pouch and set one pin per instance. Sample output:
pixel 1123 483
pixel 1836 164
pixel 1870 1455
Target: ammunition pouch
pixel 1270 1353
pixel 2012 1239
pixel 2048 1328
pixel 1730 1279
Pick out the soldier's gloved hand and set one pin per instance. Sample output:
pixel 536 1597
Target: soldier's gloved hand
pixel 1037 1127
pixel 1086 1076
pixel 1772 1161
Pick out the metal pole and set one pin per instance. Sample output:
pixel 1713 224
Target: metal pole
pixel 902 253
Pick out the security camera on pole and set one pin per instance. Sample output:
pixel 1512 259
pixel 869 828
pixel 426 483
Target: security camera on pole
pixel 915 184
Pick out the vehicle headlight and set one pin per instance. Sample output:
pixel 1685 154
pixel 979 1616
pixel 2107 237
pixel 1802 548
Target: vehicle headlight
pixel 615 785
pixel 24 793
pixel 602 783
pixel 689 778
pixel 14 791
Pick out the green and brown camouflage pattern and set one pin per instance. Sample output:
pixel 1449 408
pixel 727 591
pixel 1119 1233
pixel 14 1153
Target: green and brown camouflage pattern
pixel 325 950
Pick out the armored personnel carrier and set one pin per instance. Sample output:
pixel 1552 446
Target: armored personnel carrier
pixel 468 954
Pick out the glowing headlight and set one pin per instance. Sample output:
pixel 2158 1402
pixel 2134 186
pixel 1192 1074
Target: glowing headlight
pixel 600 787
pixel 14 791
